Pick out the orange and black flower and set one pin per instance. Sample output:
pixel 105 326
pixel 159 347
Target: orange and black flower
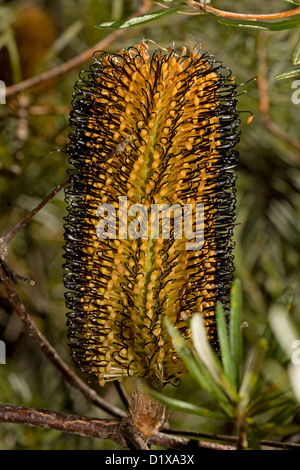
pixel 148 130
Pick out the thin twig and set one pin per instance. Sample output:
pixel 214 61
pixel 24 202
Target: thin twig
pixel 262 82
pixel 227 438
pixel 48 110
pixel 245 16
pixel 198 434
pixel 63 69
pixel 182 443
pixel 264 102
pixel 122 394
pixel 48 350
pixel 280 134
pixel 180 12
pixel 4 241
pixel 7 239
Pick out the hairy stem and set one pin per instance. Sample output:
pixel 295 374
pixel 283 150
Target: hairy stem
pixel 147 414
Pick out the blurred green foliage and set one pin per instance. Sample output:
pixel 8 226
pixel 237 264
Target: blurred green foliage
pixel 254 392
pixel 33 162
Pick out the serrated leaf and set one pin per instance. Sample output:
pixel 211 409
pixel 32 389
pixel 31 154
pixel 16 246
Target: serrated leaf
pixel 288 74
pixel 278 25
pixel 138 20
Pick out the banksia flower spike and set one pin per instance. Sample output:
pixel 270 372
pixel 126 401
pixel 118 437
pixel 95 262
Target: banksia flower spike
pixel 151 213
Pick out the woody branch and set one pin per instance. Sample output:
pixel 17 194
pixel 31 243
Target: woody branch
pixel 98 428
pixel 61 70
pixel 244 16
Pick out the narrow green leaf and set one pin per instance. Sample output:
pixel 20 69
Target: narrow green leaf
pixel 288 74
pixel 287 298
pixel 195 368
pixel 208 356
pixel 294 374
pixel 188 357
pixel 203 348
pixel 294 2
pixel 296 54
pixel 235 331
pixel 8 40
pixel 279 25
pixel 252 375
pixel 185 407
pixel 63 41
pixel 284 430
pixel 224 342
pixel 275 351
pixel 275 374
pixel 198 371
pixel 266 401
pixel 138 20
pixel 283 328
pixel 288 338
